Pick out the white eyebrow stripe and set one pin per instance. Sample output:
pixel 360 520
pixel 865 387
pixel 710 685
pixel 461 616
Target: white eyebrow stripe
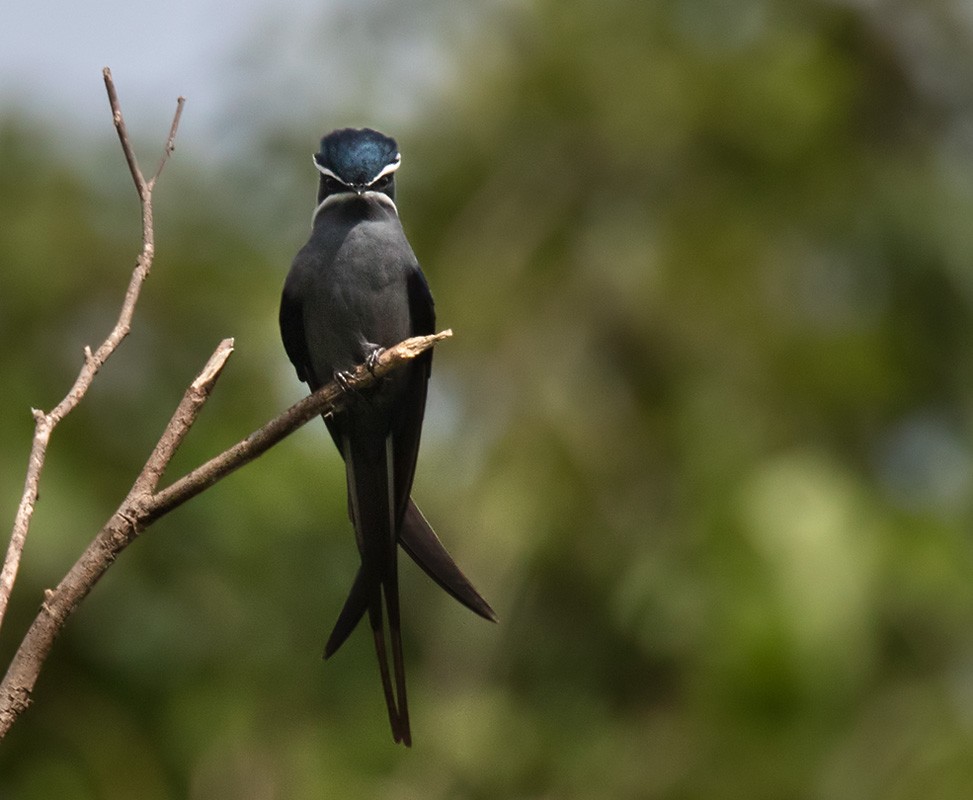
pixel 388 169
pixel 327 172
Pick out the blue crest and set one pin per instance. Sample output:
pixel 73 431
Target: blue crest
pixel 356 156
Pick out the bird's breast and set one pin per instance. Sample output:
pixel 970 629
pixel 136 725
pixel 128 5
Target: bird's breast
pixel 358 296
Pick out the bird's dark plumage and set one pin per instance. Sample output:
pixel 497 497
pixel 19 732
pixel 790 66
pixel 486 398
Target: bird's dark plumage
pixel 353 289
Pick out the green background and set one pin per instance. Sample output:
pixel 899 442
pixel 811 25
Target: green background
pixel 703 435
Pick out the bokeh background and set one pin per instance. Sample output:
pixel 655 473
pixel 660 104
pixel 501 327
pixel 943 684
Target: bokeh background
pixel 703 436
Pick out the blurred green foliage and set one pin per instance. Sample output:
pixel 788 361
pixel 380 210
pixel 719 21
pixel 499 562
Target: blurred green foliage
pixel 703 436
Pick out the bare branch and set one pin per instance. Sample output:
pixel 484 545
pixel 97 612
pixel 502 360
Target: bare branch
pixel 122 528
pixel 119 120
pixel 141 507
pixel 44 424
pixel 182 420
pixel 170 142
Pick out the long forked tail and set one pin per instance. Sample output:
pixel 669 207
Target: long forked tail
pixel 419 540
pixel 370 490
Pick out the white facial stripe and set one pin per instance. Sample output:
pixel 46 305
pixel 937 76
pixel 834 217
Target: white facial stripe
pixel 327 172
pixel 341 197
pixel 388 169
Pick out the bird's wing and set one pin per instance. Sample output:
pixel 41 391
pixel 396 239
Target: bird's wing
pixel 292 328
pixel 408 413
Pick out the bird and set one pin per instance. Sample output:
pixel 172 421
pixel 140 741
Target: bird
pixel 354 289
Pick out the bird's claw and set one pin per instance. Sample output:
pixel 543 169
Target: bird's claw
pixel 344 379
pixel 371 361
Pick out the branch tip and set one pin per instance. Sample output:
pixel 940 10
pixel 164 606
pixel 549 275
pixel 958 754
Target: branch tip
pixel 214 366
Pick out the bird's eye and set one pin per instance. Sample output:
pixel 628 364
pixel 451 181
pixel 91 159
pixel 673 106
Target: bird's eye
pixel 382 183
pixel 331 184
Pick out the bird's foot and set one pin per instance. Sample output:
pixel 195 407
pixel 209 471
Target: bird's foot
pixel 344 379
pixel 371 361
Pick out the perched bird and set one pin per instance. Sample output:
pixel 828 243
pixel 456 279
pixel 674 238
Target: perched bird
pixel 354 289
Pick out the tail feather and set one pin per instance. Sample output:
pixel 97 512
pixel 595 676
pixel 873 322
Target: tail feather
pixel 356 605
pixel 390 585
pixel 372 509
pixel 419 540
pixel 351 613
pixel 378 635
pixel 373 515
pixel 403 733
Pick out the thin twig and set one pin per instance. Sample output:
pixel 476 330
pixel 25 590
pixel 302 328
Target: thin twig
pixel 44 423
pixel 142 507
pixel 182 420
pixel 170 142
pixel 119 120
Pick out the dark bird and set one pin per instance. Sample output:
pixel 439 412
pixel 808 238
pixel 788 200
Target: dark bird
pixel 354 289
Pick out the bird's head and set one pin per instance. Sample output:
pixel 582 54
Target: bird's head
pixel 357 162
